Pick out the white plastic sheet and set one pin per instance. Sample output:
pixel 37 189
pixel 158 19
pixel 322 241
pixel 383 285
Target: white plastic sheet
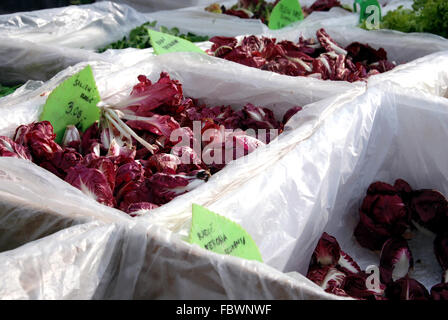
pixel 111 261
pixel 81 27
pixel 71 264
pixel 341 146
pixel 385 134
pixel 25 187
pixel 200 79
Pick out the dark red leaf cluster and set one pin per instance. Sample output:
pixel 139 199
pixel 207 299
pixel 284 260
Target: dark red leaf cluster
pixel 321 5
pixel 336 272
pixel 388 214
pixel 322 59
pixel 131 177
pixel 387 211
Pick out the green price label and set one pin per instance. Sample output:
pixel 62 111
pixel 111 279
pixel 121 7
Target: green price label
pixel 221 235
pixel 73 102
pixel 284 13
pixel 166 43
pixel 369 12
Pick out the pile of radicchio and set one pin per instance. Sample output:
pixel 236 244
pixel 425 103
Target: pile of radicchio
pixel 145 151
pixel 389 216
pixel 324 59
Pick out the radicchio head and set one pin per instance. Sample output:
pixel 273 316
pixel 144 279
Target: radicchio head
pixel 382 215
pixel 441 249
pixel 406 289
pixel 91 182
pixel 429 209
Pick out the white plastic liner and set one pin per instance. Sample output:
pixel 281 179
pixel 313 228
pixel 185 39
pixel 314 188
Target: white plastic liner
pixel 82 27
pixel 29 213
pixel 340 148
pixel 113 261
pixel 429 74
pixel 385 134
pixel 68 265
pixel 231 85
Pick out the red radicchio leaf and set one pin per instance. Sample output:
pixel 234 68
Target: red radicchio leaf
pixel 131 171
pixel 39 138
pixel 347 264
pixel 8 148
pixel 72 138
pixel 439 291
pixel 166 187
pixel 139 208
pixel 164 162
pixel 183 137
pixel 395 260
pixel 90 138
pixel 222 41
pixel 328 43
pixel 121 154
pixel 370 235
pixel 157 124
pixel 107 167
pixel 133 192
pixel 327 252
pixel 91 182
pixel 317 273
pixel 355 286
pixel 329 61
pixel 359 52
pixel 238 13
pixel 334 279
pixel 236 144
pixel 146 97
pixel 404 190
pixel 259 118
pixel 62 161
pixel 441 249
pixel 406 289
pixel 382 215
pixel 429 208
pixel 189 159
pixel 322 5
pixel 288 115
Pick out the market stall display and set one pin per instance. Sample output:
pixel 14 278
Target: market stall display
pixel 194 77
pixel 323 143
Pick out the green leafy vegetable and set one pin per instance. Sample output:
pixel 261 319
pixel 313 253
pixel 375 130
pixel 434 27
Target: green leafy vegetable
pixel 4 91
pixel 139 37
pixel 426 16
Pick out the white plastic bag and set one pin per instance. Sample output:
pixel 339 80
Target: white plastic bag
pixel 432 71
pixel 385 134
pixel 147 266
pixel 111 261
pixel 71 264
pixel 231 85
pixel 82 27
